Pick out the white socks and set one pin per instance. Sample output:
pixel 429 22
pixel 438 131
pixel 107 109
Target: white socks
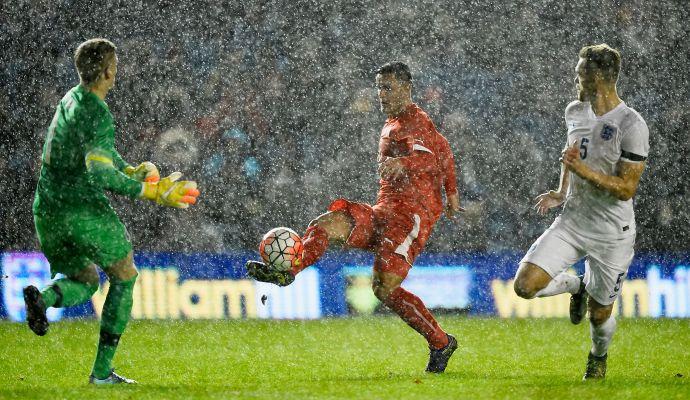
pixel 601 336
pixel 561 283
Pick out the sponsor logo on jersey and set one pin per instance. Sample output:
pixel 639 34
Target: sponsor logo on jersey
pixel 608 131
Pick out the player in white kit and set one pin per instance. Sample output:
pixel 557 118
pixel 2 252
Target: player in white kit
pixel 602 162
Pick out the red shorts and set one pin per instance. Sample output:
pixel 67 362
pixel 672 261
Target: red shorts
pixel 396 237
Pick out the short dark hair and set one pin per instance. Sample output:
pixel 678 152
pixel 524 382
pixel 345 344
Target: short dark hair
pixel 92 58
pixel 397 68
pixel 602 57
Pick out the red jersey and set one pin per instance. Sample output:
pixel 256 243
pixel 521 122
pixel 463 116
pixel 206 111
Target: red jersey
pixel 427 159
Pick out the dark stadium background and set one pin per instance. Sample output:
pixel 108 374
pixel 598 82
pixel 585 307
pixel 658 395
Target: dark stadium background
pixel 271 107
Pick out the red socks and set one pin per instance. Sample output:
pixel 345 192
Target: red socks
pixel 314 244
pixel 413 311
pixel 408 306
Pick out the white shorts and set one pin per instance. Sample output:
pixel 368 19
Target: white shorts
pixel 606 262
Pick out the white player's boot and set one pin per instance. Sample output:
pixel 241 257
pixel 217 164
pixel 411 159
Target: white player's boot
pixel 112 379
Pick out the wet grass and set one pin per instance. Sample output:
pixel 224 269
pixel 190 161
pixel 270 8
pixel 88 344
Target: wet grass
pixel 363 358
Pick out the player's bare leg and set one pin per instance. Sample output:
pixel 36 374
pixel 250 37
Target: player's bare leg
pixel 532 281
pixel 529 280
pixel 331 226
pixel 602 326
pixel 412 310
pixel 116 313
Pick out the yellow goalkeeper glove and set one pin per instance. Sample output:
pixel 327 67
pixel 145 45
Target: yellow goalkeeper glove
pixel 144 172
pixel 170 192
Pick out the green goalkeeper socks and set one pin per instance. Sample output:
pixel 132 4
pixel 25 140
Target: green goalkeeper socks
pixel 104 357
pixel 116 313
pixel 67 292
pixel 118 306
pixel 49 296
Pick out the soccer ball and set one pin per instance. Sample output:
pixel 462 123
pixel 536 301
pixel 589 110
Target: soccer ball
pixel 281 248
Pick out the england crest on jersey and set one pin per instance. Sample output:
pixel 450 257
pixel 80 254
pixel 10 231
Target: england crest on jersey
pixel 608 131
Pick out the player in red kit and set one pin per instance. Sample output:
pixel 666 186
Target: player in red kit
pixel 415 166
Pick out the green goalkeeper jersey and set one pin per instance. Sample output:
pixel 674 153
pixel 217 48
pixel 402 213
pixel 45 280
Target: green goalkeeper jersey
pixel 79 159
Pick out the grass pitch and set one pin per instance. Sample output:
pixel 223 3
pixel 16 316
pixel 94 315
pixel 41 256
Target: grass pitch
pixel 360 358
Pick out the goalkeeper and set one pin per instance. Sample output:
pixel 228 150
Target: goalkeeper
pixel 75 224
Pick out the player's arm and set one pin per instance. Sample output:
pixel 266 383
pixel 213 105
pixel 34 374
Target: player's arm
pixel 420 160
pixel 554 198
pixel 634 150
pixel 99 163
pixel 623 186
pixel 564 181
pixel 119 163
pixel 145 171
pixel 167 192
pixel 450 182
pixel 404 157
pixel 399 167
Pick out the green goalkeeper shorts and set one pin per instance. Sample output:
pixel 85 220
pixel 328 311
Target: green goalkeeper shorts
pixel 76 238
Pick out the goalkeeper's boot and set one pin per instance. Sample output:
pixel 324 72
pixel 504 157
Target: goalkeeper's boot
pixel 578 303
pixel 596 367
pixel 262 272
pixel 35 310
pixel 438 359
pixel 112 379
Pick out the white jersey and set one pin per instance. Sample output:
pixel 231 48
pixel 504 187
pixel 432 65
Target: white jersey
pixel 619 135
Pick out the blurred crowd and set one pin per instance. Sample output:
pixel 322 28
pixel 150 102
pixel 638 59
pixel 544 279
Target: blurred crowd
pixel 271 107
